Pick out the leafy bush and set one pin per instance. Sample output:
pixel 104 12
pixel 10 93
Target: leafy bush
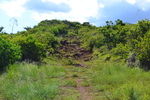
pixel 49 41
pixel 144 52
pixel 31 49
pixel 121 50
pixel 9 53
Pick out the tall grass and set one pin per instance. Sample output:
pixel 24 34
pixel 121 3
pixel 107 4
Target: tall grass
pixel 24 81
pixel 118 82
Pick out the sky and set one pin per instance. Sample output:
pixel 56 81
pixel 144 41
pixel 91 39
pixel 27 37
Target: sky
pixel 17 14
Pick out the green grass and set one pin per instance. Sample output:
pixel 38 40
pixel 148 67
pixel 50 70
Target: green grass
pixel 68 93
pixel 118 82
pixel 24 81
pixel 57 80
pixel 70 83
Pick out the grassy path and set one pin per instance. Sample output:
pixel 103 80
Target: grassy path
pixel 84 91
pixel 74 77
pixel 79 81
pixel 76 83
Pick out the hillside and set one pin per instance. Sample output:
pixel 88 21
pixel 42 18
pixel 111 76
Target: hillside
pixel 63 60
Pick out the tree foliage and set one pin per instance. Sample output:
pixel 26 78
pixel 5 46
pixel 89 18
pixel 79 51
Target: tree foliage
pixel 9 53
pixel 116 38
pixel 143 48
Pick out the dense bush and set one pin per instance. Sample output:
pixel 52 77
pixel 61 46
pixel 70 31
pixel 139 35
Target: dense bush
pixel 30 48
pixel 116 38
pixel 9 53
pixel 121 50
pixel 144 52
pixel 49 41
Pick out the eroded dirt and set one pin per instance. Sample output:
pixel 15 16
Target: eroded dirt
pixel 71 48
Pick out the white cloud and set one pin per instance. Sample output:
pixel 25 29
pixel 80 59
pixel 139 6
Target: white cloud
pixel 57 1
pixel 53 15
pixel 13 8
pixel 81 10
pixel 84 8
pixel 131 1
pixel 143 4
pixel 101 5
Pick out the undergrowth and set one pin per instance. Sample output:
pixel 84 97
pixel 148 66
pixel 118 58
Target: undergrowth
pixel 24 81
pixel 56 80
pixel 118 82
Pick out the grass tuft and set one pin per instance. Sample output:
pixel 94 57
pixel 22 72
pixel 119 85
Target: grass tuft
pixel 24 81
pixel 121 82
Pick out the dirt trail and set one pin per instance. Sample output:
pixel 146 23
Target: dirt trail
pixel 84 91
pixel 71 48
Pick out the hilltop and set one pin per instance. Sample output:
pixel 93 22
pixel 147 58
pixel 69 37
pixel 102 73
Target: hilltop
pixel 65 60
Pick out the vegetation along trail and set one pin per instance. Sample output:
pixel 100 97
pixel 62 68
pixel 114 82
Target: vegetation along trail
pixel 77 77
pixel 63 60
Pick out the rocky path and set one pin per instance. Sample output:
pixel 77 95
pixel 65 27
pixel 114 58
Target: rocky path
pixel 71 48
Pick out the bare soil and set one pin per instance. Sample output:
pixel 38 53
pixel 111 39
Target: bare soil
pixel 84 91
pixel 71 48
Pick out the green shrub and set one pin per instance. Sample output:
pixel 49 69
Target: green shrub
pixel 144 52
pixel 121 50
pixel 132 91
pixel 49 41
pixel 9 53
pixel 31 49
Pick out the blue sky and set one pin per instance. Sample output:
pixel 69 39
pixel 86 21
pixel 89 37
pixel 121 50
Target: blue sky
pixel 31 12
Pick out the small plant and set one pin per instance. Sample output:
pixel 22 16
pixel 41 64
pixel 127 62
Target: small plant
pixel 70 83
pixel 85 83
pixel 74 75
pixel 70 61
pixel 132 95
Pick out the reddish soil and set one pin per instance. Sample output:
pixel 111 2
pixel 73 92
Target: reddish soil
pixel 84 91
pixel 71 48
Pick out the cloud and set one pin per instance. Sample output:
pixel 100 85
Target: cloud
pixel 131 1
pixel 43 6
pixel 144 4
pixel 13 8
pixel 80 10
pixel 101 5
pixel 94 11
pixel 57 1
pixel 84 8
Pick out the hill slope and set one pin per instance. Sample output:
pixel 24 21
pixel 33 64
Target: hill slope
pixel 65 60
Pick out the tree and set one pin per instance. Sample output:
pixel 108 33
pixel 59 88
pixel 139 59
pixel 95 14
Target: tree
pixel 31 49
pixel 143 50
pixel 143 27
pixel 9 53
pixel 119 22
pixel 27 28
pixel 86 24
